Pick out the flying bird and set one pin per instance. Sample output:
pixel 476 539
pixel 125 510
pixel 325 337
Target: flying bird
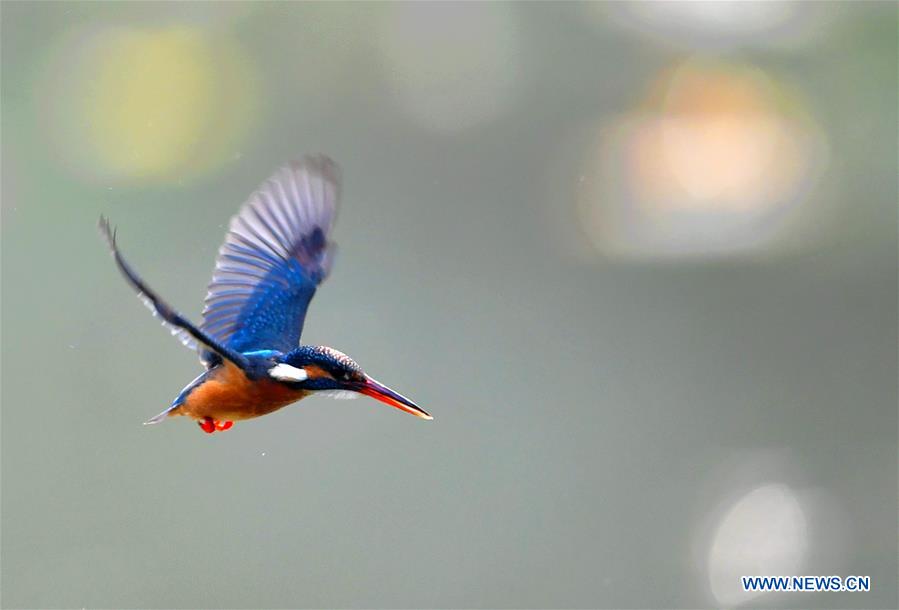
pixel 276 253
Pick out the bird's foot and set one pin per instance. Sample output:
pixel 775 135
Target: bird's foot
pixel 209 425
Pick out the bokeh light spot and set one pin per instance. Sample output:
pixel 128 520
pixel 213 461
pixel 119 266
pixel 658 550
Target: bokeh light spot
pixel 149 100
pixel 714 162
pixel 719 24
pixel 764 533
pixel 151 103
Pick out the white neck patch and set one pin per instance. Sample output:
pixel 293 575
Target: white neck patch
pixel 285 372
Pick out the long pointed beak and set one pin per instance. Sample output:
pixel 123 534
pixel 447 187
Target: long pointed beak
pixel 379 391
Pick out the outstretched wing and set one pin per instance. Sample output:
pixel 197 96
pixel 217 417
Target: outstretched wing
pixel 275 254
pixel 179 326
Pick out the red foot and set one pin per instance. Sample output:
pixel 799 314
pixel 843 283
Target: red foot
pixel 209 425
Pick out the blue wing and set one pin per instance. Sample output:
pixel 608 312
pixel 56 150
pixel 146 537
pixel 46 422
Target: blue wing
pixel 181 327
pixel 275 254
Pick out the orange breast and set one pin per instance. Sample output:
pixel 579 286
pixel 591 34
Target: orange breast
pixel 228 395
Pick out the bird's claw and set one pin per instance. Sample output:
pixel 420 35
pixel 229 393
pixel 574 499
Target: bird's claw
pixel 209 425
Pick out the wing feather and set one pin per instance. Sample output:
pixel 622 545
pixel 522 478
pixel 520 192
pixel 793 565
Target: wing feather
pixel 180 327
pixel 275 254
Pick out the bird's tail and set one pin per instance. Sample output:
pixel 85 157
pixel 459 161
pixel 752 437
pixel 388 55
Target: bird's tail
pixel 158 418
pixel 179 400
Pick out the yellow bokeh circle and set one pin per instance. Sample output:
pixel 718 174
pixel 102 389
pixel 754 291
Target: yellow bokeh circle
pixel 153 103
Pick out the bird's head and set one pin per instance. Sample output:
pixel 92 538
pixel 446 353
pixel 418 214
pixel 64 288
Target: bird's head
pixel 325 370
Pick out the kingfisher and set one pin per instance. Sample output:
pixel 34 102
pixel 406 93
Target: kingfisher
pixel 277 251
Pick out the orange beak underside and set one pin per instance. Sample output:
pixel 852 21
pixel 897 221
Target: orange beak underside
pixel 379 391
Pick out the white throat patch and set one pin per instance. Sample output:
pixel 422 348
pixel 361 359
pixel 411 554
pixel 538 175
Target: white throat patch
pixel 338 394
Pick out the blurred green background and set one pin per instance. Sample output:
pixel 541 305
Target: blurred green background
pixel 639 260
